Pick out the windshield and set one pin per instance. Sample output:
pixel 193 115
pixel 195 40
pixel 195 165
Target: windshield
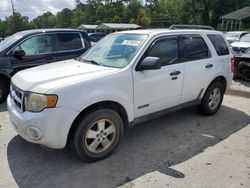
pixel 115 50
pixel 245 38
pixel 232 35
pixel 10 40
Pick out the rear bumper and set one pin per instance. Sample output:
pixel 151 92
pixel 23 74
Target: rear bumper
pixel 49 127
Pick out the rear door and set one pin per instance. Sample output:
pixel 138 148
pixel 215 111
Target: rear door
pixel 69 45
pixel 198 64
pixel 39 49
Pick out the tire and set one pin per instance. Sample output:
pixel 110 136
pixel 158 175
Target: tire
pixel 97 135
pixel 211 100
pixel 3 92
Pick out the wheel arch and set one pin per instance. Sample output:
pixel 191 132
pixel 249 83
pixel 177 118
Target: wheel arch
pixel 6 79
pixel 220 79
pixel 103 104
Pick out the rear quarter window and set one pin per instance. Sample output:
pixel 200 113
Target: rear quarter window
pixel 219 44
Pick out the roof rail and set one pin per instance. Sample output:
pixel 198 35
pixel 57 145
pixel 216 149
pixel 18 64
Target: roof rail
pixel 177 26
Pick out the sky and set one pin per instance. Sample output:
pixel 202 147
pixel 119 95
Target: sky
pixel 34 8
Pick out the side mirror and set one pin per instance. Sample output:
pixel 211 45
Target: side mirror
pixel 19 53
pixel 149 63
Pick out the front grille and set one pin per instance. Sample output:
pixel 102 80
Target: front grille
pixel 238 49
pixel 17 96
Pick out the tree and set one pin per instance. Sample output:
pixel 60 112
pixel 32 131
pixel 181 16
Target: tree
pixel 78 17
pixel 64 18
pixel 16 23
pixel 143 19
pixel 132 10
pixel 98 22
pixel 47 20
pixel 116 19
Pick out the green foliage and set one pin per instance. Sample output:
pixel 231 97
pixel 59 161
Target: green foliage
pixel 148 13
pixel 98 22
pixel 116 19
pixel 142 18
pixel 64 18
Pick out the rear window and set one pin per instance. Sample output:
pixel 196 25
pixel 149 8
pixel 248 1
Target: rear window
pixel 69 41
pixel 219 44
pixel 195 48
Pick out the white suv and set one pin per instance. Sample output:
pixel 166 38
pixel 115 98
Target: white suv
pixel 124 79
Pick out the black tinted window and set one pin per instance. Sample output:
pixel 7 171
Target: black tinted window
pixel 219 44
pixel 69 41
pixel 194 48
pixel 166 50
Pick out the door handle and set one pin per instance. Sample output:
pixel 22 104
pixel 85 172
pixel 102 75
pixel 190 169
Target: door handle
pixel 209 66
pixel 175 73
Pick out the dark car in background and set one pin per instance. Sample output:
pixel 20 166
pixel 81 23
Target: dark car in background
pixel 37 47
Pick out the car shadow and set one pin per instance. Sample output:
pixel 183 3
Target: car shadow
pixel 152 146
pixel 3 107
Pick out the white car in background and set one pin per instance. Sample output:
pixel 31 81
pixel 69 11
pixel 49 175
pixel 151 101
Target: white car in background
pixel 241 50
pixel 235 36
pixel 126 78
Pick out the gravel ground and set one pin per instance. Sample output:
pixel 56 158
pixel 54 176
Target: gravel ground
pixel 178 147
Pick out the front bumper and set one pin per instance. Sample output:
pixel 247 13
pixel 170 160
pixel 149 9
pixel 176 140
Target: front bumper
pixel 49 127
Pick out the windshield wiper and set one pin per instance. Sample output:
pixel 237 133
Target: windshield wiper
pixel 91 61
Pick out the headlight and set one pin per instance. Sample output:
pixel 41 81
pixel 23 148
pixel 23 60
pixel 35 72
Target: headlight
pixel 37 102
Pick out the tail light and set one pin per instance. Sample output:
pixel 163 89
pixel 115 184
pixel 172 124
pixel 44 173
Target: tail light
pixel 233 63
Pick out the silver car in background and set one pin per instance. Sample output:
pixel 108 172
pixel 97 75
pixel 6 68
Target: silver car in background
pixel 241 50
pixel 235 36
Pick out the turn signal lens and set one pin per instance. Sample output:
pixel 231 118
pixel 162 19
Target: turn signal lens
pixel 51 101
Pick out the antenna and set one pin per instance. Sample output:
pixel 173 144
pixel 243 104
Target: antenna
pixel 13 8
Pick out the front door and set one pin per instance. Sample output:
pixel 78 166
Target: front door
pixel 155 90
pixel 39 49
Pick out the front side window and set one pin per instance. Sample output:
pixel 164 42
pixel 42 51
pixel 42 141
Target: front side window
pixel 114 50
pixel 69 41
pixel 39 44
pixel 165 49
pixel 219 44
pixel 194 48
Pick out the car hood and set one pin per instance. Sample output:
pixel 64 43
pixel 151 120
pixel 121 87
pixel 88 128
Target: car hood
pixel 43 78
pixel 241 44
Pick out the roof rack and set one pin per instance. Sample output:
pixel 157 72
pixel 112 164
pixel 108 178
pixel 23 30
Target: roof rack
pixel 177 26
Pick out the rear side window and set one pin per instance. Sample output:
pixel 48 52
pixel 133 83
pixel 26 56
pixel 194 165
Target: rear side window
pixel 166 50
pixel 194 48
pixel 69 41
pixel 219 44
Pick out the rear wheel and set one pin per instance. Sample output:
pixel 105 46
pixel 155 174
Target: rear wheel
pixel 212 99
pixel 3 92
pixel 97 135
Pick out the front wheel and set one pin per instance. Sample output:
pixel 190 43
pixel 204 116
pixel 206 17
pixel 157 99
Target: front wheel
pixel 97 135
pixel 212 99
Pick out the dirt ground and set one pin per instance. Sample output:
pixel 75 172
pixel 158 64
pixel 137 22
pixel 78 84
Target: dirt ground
pixel 181 149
